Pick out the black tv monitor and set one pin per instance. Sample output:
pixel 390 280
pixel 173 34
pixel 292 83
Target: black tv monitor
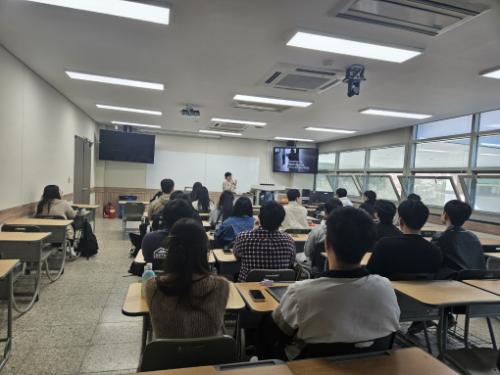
pixel 295 160
pixel 122 146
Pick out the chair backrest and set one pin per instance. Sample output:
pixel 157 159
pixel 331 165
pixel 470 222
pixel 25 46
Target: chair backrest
pixel 54 217
pixel 343 349
pixel 20 228
pixel 275 275
pixel 167 354
pixel 133 210
pixel 477 274
pixel 412 277
pixel 298 230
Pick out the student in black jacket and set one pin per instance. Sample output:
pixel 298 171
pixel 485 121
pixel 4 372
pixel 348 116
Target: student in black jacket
pixel 385 212
pixel 461 248
pixel 368 205
pixel 408 253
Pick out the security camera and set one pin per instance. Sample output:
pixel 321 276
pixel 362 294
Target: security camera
pixel 354 74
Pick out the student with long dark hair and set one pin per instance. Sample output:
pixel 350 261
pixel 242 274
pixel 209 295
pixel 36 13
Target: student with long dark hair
pixel 203 203
pixel 195 191
pixel 188 301
pixel 223 210
pixel 52 204
pixel 241 220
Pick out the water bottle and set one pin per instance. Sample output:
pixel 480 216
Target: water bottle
pixel 146 275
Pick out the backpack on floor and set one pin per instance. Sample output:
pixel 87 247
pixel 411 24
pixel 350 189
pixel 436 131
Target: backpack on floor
pixel 87 246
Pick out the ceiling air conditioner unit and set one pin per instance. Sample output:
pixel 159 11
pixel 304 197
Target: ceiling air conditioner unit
pixel 228 127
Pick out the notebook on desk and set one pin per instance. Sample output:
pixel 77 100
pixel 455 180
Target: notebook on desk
pixel 277 291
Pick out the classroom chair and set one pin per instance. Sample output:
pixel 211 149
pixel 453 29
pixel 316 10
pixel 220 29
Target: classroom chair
pixel 165 354
pixel 132 211
pixel 344 349
pixel 477 361
pixel 275 275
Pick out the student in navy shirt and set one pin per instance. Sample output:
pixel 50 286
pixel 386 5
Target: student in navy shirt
pixel 241 220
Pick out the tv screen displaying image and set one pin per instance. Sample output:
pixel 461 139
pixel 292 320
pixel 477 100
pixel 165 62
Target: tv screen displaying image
pixel 295 160
pixel 121 146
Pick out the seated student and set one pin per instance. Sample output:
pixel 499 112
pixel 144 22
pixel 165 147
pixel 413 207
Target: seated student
pixel 408 253
pixel 223 210
pixel 341 194
pixel 203 203
pixel 265 247
pixel 461 248
pixel 52 204
pixel 385 212
pixel 185 197
pixel 370 197
pixel 155 208
pixel 195 190
pixel 153 244
pixel 318 234
pixel 346 304
pixel 188 301
pixel 295 213
pixel 241 220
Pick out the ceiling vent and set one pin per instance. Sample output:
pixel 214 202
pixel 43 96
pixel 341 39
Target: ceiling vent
pixel 300 78
pixel 260 107
pixel 228 127
pixel 430 17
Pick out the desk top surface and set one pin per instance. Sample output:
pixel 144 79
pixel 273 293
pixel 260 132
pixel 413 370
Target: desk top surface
pixel 85 205
pixel 492 286
pixel 364 260
pixel 493 255
pixel 212 370
pixel 42 222
pixel 135 303
pixel 24 236
pixel 444 292
pixel 6 266
pixel 127 202
pixel 223 257
pixel 270 302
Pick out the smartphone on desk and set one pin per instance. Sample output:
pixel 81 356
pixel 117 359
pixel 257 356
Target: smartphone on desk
pixel 257 295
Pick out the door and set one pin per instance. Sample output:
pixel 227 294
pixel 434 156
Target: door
pixel 82 169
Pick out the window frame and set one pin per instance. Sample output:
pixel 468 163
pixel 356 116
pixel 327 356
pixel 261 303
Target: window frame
pixel 406 192
pixel 367 176
pixel 470 196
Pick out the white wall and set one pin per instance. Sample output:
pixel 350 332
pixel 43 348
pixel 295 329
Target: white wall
pixel 391 137
pixel 121 174
pixel 37 129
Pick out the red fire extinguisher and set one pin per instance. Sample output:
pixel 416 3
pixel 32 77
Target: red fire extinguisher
pixel 109 211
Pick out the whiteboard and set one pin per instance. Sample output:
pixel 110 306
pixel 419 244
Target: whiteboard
pixel 187 167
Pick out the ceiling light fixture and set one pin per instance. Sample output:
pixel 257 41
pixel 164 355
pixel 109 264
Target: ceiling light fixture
pixel 293 139
pixel 135 124
pixel 391 113
pixel 274 101
pixel 120 8
pixel 330 130
pixel 352 48
pixel 126 109
pixel 240 122
pixel 492 74
pixel 115 81
pixel 218 132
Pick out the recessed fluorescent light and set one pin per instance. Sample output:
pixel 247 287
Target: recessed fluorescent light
pixel 293 139
pixel 135 124
pixel 115 81
pixel 494 145
pixel 126 109
pixel 352 48
pixel 390 113
pixel 218 132
pixel 120 8
pixel 274 101
pixel 330 130
pixel 241 122
pixel 433 151
pixel 492 74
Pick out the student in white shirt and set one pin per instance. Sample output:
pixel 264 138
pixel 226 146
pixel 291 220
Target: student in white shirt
pixel 346 304
pixel 203 203
pixel 295 213
pixel 341 194
pixel 229 184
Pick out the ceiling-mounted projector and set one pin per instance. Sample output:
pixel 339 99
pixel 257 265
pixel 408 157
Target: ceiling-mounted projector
pixel 189 111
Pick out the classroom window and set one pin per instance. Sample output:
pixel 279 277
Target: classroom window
pixel 387 158
pixel 382 185
pixel 346 182
pixel 485 192
pixel 326 162
pixel 489 121
pixel 452 126
pixel 452 153
pixel 322 183
pixel 352 160
pixel 434 191
pixel 488 152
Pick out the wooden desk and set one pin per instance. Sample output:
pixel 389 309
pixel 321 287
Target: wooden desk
pixel 139 258
pixel 212 370
pixel 222 257
pixel 266 306
pixel 493 255
pixel 364 260
pixel 127 202
pixel 487 239
pixel 432 227
pixel 409 361
pixel 206 224
pixel 56 227
pixel 300 237
pixel 6 272
pixel 492 286
pixel 204 215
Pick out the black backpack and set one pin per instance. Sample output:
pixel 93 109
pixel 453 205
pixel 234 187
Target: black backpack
pixel 87 246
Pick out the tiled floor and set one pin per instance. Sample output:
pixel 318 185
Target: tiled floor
pixel 77 326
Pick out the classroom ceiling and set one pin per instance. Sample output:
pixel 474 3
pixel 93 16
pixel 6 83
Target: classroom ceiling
pixel 215 49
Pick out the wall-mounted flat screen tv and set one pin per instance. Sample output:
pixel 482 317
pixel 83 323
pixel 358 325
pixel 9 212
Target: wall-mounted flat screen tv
pixel 122 146
pixel 295 160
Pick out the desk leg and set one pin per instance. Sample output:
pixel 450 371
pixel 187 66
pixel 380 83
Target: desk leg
pixel 442 332
pixel 239 348
pixel 8 341
pixel 146 332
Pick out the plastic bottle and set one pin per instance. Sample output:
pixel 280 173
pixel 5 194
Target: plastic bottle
pixel 146 275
